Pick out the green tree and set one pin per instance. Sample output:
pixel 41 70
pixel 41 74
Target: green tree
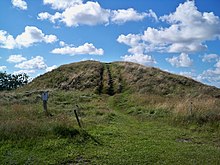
pixel 11 81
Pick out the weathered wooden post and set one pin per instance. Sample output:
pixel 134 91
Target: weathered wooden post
pixel 45 97
pixel 77 118
pixel 190 108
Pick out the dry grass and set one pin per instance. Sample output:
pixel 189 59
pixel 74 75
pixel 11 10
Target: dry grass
pixel 199 110
pixel 18 121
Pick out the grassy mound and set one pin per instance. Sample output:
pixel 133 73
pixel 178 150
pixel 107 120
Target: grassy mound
pixel 119 77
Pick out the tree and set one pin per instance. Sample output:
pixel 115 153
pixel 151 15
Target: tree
pixel 11 81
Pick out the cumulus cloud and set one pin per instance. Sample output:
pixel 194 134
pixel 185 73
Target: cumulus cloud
pixel 7 41
pixel 152 14
pixel 34 63
pixel 137 50
pixel 30 36
pixel 122 16
pixel 180 36
pixel 62 43
pixel 33 35
pixel 28 72
pixel 89 13
pixel 90 59
pixel 87 48
pixel 50 17
pixel 75 13
pixel 130 39
pixel 63 4
pixel 21 4
pixel 50 68
pixel 2 68
pixel 188 74
pixel 211 75
pixel 16 58
pixel 30 66
pixel 210 57
pixel 139 58
pixel 181 61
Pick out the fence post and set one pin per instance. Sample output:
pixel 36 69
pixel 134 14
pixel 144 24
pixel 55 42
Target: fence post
pixel 44 97
pixel 190 108
pixel 77 118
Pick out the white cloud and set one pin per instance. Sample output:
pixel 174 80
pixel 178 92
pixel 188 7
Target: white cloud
pixel 137 50
pixel 90 59
pixel 50 38
pixel 188 30
pixel 21 4
pixel 210 57
pixel 32 65
pixel 139 58
pixel 30 36
pixel 62 43
pixel 188 74
pixel 50 68
pixel 33 35
pixel 75 13
pixel 153 15
pixel 89 13
pixel 51 18
pixel 87 48
pixel 6 40
pixel 16 58
pixel 44 15
pixel 211 76
pixel 62 4
pixel 130 39
pixel 35 63
pixel 181 61
pixel 28 72
pixel 122 16
pixel 2 68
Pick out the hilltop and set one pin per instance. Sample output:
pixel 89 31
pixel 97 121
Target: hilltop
pixel 117 77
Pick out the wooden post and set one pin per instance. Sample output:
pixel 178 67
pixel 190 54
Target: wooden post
pixel 77 118
pixel 45 106
pixel 45 98
pixel 190 109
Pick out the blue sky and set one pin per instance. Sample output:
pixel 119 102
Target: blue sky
pixel 178 36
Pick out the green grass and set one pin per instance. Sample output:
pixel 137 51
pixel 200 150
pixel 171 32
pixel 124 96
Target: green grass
pixel 122 129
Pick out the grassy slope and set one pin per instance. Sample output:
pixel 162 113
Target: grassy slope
pixel 110 77
pixel 117 130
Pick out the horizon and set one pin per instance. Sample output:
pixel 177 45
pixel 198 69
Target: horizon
pixel 182 38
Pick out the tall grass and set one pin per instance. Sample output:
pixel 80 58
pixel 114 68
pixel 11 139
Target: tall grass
pixel 179 110
pixel 20 119
pixel 28 121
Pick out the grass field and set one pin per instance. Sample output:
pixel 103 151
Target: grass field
pixel 121 129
